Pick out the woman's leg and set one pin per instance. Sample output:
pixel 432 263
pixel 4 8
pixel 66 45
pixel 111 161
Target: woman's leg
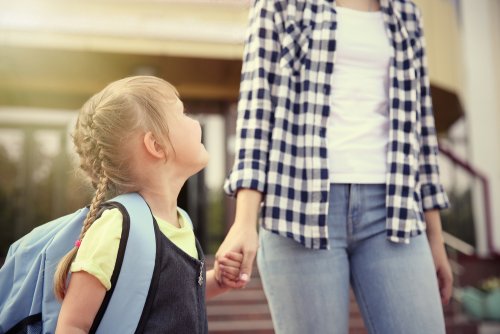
pixel 308 290
pixel 395 284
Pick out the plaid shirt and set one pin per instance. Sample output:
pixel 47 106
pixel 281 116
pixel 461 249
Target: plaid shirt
pixel 281 147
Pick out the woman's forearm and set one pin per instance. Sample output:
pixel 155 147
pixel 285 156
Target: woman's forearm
pixel 247 206
pixel 434 228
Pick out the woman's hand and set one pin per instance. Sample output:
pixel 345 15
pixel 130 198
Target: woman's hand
pixel 242 236
pixel 443 269
pixel 436 243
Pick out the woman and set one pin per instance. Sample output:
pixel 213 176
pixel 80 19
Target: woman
pixel 337 157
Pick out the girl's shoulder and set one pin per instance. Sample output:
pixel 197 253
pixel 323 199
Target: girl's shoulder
pixel 106 229
pixel 99 247
pixel 109 219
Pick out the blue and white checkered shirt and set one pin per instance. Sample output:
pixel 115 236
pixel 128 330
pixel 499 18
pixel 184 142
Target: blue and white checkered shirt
pixel 281 147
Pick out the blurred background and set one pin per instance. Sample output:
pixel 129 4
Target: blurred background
pixel 54 54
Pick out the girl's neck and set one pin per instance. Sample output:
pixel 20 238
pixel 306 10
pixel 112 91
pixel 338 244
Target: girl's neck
pixel 163 202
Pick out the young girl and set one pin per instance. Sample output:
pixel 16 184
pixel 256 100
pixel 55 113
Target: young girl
pixel 134 136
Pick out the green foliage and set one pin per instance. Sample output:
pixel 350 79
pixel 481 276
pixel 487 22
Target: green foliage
pixel 490 284
pixel 8 200
pixel 27 201
pixel 216 225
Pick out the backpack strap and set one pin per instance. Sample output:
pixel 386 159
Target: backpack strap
pixel 125 307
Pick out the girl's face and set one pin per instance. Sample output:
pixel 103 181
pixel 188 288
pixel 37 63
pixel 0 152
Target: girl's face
pixel 185 137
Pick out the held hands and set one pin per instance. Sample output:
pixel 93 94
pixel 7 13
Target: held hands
pixel 229 267
pixel 243 240
pixel 229 275
pixel 242 236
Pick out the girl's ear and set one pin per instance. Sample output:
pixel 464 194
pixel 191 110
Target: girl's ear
pixel 153 147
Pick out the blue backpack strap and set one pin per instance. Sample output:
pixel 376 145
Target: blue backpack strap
pixel 126 305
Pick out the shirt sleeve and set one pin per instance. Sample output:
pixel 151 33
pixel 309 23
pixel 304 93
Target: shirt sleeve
pixel 99 248
pixel 431 191
pixel 255 119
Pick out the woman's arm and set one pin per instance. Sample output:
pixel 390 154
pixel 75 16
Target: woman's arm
pixel 247 179
pixel 80 305
pixel 432 193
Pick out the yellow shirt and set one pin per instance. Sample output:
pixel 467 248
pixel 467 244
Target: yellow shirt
pixel 99 248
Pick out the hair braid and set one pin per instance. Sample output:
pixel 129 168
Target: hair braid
pixel 95 205
pixel 97 170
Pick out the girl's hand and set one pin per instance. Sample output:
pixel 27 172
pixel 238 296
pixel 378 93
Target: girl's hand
pixel 443 268
pixel 229 267
pixel 229 276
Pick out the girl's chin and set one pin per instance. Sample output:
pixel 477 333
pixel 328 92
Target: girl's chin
pixel 206 158
pixel 203 161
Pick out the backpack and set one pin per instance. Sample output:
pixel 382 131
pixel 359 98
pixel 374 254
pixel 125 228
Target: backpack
pixel 27 302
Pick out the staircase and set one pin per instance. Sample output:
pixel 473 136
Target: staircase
pixel 240 311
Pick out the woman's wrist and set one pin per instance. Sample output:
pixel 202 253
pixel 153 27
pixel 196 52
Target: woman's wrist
pixel 435 238
pixel 247 206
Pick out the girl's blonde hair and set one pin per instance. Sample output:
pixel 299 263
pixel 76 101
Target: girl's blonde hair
pixel 105 124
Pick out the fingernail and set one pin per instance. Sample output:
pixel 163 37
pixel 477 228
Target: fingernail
pixel 244 277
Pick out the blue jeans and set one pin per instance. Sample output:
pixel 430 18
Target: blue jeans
pixel 395 284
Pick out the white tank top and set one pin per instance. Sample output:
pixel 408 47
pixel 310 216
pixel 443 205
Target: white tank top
pixel 358 126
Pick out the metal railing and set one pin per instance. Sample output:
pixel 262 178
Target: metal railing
pixel 476 174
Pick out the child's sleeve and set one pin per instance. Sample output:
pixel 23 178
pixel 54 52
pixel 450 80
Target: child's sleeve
pixel 99 248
